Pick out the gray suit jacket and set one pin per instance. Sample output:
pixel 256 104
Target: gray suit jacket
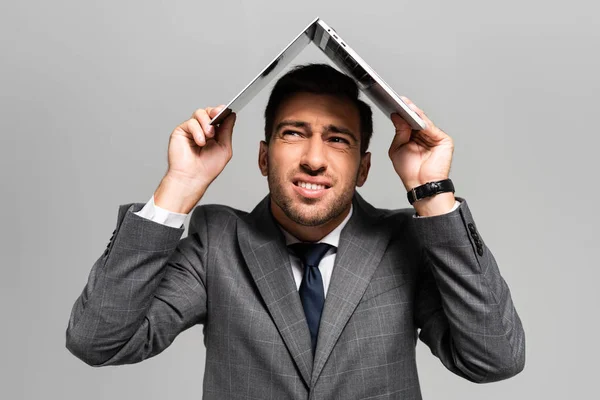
pixel 396 278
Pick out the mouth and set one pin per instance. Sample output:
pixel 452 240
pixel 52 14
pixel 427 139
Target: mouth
pixel 311 190
pixel 311 186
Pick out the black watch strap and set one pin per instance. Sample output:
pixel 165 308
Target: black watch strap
pixel 429 189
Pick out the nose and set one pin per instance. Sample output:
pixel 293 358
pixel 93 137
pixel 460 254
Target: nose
pixel 314 157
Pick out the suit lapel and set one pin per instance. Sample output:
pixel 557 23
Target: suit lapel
pixel 362 244
pixel 263 247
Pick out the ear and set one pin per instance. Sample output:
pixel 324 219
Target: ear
pixel 263 153
pixel 363 169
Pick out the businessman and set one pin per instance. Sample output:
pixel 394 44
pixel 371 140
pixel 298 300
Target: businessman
pixel 315 294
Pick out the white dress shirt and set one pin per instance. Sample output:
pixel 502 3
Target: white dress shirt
pixel 154 213
pixel 175 220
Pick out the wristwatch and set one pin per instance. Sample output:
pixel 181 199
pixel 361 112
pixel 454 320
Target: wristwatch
pixel 429 189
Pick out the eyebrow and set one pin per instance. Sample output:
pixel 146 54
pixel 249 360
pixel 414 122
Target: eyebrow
pixel 307 126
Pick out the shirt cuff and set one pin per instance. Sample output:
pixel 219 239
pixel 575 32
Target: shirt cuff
pixel 165 217
pixel 456 205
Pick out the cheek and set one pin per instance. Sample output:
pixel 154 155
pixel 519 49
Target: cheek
pixel 284 160
pixel 278 169
pixel 345 168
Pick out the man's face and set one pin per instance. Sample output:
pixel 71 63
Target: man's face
pixel 313 161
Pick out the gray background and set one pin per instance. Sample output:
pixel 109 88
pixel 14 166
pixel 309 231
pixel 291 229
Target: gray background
pixel 90 92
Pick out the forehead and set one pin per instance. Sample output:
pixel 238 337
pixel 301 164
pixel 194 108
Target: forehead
pixel 319 109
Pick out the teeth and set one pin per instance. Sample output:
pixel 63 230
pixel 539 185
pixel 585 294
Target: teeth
pixel 311 186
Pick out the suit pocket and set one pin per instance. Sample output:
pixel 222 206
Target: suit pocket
pixel 379 286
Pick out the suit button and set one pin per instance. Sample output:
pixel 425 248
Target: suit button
pixel 472 227
pixel 480 250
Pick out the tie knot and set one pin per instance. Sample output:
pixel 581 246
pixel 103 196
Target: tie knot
pixel 310 253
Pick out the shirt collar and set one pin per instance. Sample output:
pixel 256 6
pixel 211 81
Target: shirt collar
pixel 332 238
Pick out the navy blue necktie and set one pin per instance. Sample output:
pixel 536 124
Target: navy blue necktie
pixel 311 289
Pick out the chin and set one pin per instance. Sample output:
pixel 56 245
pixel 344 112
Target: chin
pixel 312 213
pixel 307 211
pixel 308 218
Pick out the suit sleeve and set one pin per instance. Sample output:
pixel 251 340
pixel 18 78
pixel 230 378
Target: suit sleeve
pixel 147 287
pixel 463 306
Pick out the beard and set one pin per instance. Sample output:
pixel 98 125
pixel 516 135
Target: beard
pixel 306 211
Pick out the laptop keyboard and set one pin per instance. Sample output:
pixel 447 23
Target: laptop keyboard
pixel 348 64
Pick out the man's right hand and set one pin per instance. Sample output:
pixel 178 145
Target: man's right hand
pixel 198 152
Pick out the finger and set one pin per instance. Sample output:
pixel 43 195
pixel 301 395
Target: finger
pixel 225 130
pixel 400 125
pixel 418 111
pixel 213 111
pixel 431 131
pixel 403 132
pixel 192 127
pixel 204 120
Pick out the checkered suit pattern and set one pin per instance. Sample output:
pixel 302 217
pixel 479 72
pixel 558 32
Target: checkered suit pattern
pixel 396 279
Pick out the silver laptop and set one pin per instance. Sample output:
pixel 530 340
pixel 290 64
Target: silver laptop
pixel 346 59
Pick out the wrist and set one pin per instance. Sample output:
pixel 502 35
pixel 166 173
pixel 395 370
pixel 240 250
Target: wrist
pixel 438 204
pixel 179 194
pixel 409 185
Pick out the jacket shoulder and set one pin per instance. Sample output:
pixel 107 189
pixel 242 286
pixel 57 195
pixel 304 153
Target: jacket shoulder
pixel 398 215
pixel 383 214
pixel 209 216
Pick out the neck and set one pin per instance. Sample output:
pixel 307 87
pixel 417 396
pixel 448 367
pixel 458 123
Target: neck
pixel 307 233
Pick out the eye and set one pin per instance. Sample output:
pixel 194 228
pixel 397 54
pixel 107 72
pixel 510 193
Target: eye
pixel 293 133
pixel 338 139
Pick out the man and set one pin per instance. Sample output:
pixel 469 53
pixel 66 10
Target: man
pixel 334 317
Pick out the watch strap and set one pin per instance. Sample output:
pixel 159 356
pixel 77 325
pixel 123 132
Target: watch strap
pixel 429 189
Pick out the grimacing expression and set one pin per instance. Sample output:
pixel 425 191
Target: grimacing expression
pixel 313 161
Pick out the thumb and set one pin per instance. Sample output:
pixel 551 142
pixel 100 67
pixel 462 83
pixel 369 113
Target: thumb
pixel 213 111
pixel 403 132
pixel 225 130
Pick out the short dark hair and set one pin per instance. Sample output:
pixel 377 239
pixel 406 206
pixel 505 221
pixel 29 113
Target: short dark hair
pixel 319 79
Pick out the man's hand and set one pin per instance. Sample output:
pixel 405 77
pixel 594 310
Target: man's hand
pixel 198 152
pixel 420 157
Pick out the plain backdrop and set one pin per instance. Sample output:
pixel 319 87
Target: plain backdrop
pixel 90 92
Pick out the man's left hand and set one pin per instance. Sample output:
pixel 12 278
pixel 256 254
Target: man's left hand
pixel 420 157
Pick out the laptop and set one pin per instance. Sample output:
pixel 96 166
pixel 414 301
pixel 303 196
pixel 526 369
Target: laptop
pixel 342 55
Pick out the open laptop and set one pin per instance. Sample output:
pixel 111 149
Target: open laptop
pixel 346 59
